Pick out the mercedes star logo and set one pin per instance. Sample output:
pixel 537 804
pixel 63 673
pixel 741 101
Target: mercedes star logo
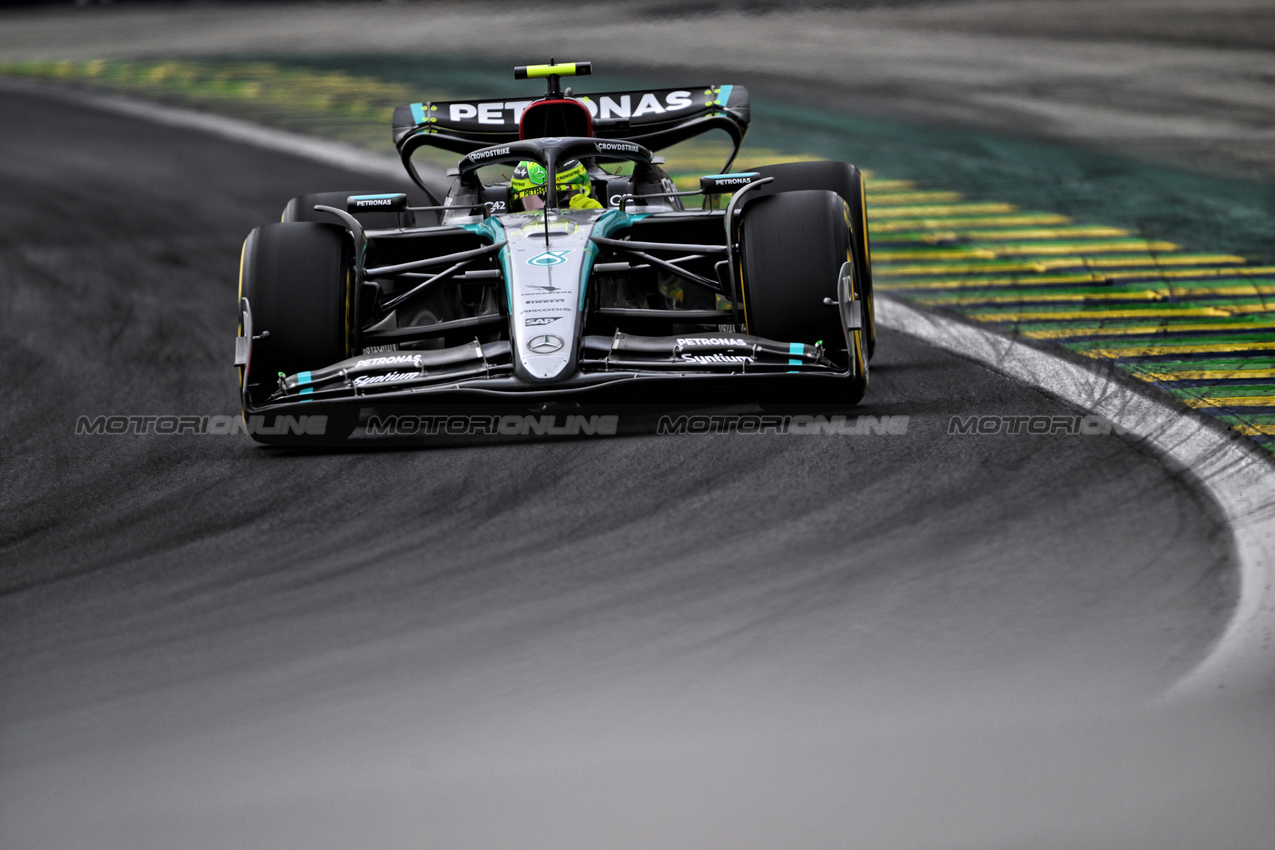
pixel 545 344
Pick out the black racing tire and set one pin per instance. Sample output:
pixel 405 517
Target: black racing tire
pixel 297 277
pixel 792 247
pixel 847 181
pixel 301 208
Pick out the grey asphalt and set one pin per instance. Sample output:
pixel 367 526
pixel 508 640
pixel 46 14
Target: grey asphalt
pixel 912 641
pixel 647 641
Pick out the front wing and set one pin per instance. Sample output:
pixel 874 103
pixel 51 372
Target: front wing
pixel 622 371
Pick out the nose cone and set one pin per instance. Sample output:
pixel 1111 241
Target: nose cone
pixel 547 260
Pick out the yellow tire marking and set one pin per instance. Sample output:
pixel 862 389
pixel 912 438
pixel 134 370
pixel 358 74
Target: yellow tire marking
pixel 242 251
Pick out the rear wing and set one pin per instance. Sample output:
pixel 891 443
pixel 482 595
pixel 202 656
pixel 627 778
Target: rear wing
pixel 654 118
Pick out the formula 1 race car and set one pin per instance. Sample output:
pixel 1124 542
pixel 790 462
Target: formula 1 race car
pixel 562 267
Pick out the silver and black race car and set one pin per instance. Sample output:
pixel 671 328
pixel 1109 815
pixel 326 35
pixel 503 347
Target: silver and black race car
pixel 518 295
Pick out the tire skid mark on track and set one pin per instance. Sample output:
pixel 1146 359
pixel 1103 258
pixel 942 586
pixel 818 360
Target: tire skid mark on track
pixel 1239 480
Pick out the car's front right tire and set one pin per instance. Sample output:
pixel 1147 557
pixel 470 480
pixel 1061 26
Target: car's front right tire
pixel 297 277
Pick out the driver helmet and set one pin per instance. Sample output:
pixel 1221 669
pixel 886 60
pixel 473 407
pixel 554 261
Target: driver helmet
pixel 528 185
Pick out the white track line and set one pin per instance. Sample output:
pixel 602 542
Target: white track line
pixel 335 154
pixel 1238 476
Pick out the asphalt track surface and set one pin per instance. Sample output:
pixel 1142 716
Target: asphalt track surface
pixel 922 641
pixel 656 640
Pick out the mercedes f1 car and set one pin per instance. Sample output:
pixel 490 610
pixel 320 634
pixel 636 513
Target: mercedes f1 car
pixel 525 288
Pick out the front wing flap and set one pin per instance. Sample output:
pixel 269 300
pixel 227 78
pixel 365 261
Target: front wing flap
pixel 486 370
